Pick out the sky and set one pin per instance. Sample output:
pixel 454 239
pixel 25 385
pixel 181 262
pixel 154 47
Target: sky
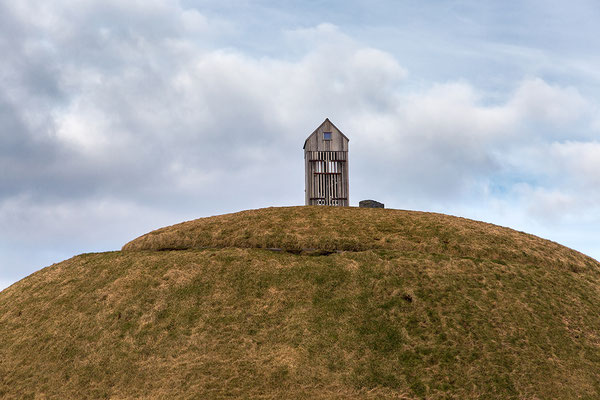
pixel 120 117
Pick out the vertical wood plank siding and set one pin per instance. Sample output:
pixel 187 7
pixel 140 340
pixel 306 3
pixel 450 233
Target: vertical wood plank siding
pixel 326 167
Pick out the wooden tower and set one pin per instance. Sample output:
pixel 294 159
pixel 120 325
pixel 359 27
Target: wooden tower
pixel 326 167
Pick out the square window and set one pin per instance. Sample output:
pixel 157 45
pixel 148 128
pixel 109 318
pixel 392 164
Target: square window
pixel 326 135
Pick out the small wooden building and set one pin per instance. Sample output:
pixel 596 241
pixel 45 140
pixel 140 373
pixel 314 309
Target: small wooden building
pixel 326 166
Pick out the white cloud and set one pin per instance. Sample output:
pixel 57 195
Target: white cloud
pixel 538 100
pixel 580 160
pixel 82 129
pixel 445 141
pixel 546 204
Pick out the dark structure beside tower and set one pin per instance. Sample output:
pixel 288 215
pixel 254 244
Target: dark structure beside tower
pixel 370 204
pixel 326 166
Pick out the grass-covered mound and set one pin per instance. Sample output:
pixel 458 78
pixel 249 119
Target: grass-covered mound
pixel 366 303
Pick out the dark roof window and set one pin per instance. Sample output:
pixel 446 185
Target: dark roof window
pixel 326 135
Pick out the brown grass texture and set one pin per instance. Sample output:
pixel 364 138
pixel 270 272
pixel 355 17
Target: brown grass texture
pixel 309 303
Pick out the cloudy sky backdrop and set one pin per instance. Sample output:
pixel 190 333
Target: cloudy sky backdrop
pixel 119 117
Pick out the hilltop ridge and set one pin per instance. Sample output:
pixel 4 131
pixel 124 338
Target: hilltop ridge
pixel 329 229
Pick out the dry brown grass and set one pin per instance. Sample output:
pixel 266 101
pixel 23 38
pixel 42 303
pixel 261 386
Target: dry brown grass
pixel 359 229
pixel 417 306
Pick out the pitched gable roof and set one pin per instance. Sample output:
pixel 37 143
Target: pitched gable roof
pixel 319 127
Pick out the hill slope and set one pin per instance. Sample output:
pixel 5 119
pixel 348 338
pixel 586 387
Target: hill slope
pixel 347 303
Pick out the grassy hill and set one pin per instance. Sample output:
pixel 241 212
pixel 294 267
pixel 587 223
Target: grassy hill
pixel 309 303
